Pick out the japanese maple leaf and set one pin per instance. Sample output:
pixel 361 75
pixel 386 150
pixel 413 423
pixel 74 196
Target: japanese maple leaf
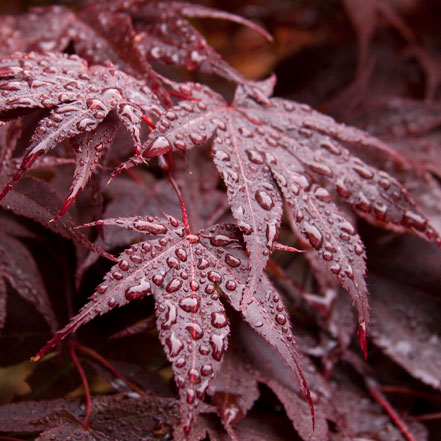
pixel 128 34
pixel 186 273
pixel 163 34
pixel 83 102
pixel 286 150
pixel 18 268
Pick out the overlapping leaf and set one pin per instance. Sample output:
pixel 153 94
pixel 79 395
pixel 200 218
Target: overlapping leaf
pixel 128 34
pixel 405 321
pixel 184 273
pixel 18 267
pixel 284 149
pixel 60 83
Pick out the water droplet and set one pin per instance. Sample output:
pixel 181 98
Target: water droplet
pixel 219 124
pixel 232 260
pixel 150 227
pixel 195 330
pixel 219 319
pixel 197 138
pixel 203 263
pixel 209 289
pixel 214 276
pixel 363 203
pixel 363 171
pixel 415 220
pixel 180 362
pixel 206 369
pixel 264 200
pixel 174 344
pixel 245 132
pixel 170 316
pixel 194 376
pixel 313 234
pixel 85 124
pixel 124 265
pixel 230 285
pixel 380 209
pixel 217 343
pixel 347 228
pixel 322 194
pixel 358 249
pixel 172 262
pixel 330 147
pixel 254 156
pixel 160 146
pixel 336 268
pixel 138 291
pixel 271 233
pixel 203 350
pixel 194 286
pixel 146 247
pixel 158 279
pixel 327 256
pixel 191 395
pixel 101 289
pixel 321 169
pixel 222 156
pixel 173 285
pixel 181 254
pixel 221 240
pixel 117 275
pixel 341 187
pixel 189 304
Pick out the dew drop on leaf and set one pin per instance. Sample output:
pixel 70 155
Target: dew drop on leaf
pixel 189 304
pixel 195 330
pixel 264 200
pixel 181 254
pixel 173 285
pixel 314 236
pixel 219 319
pixel 138 291
pixel 174 344
pixel 232 260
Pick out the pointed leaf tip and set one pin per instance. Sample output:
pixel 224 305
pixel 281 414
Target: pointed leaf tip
pixel 362 338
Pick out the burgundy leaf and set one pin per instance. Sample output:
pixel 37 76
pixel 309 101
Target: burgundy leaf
pixel 164 35
pixel 182 271
pixel 61 418
pixel 405 324
pixel 18 267
pixel 285 147
pixel 59 83
pixel 233 390
pixel 37 200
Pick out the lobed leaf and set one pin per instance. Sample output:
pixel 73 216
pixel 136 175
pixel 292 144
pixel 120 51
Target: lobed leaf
pixel 184 273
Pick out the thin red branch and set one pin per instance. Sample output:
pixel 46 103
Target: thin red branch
pixel 149 123
pixel 375 392
pixel 72 347
pixel 427 417
pixel 409 391
pixel 183 97
pixel 100 359
pixel 9 438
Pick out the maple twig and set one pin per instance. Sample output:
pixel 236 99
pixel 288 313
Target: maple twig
pixel 72 347
pixel 93 354
pixel 9 438
pixel 427 417
pixel 375 392
pixel 184 97
pixel 167 166
pixel 409 391
pixel 149 123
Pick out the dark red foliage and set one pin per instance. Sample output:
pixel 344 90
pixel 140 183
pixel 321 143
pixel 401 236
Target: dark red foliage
pixel 118 92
